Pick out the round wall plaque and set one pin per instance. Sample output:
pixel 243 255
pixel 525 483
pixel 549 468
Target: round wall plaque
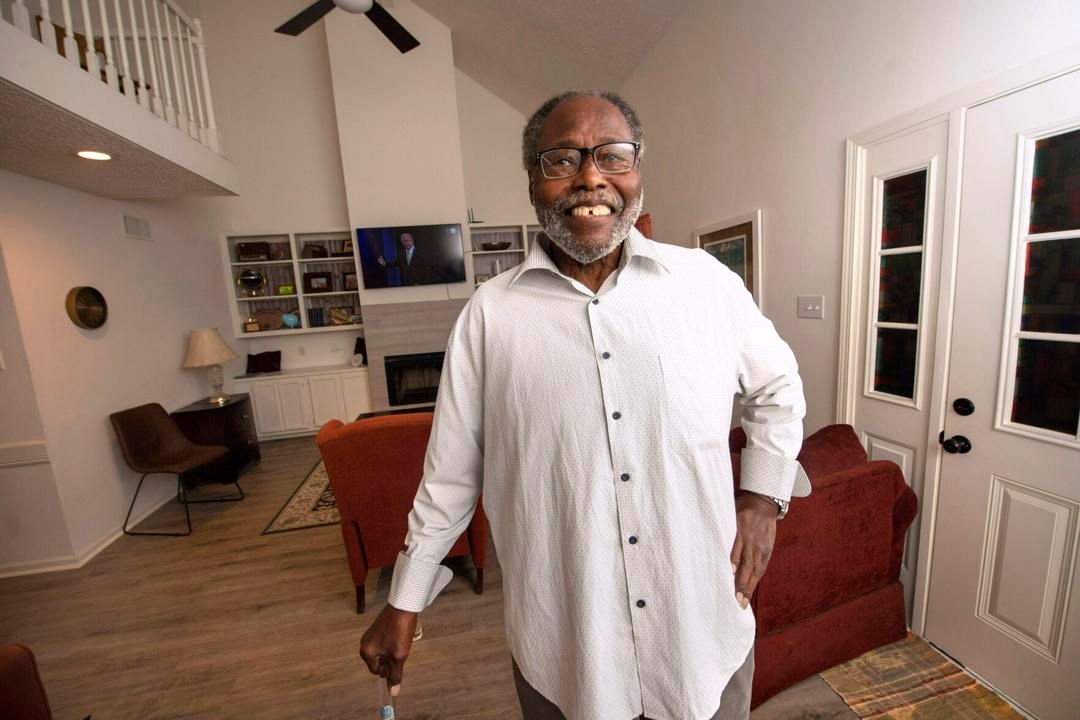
pixel 86 307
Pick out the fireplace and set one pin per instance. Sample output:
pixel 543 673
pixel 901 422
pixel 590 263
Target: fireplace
pixel 413 379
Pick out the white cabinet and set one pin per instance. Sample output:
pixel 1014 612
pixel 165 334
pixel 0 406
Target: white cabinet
pixel 326 399
pixel 299 402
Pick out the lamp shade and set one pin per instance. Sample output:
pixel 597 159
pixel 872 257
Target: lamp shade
pixel 207 347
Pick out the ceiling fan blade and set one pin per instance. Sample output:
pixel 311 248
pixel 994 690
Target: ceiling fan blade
pixel 391 28
pixel 306 17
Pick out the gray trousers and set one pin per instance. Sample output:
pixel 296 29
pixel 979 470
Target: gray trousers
pixel 734 702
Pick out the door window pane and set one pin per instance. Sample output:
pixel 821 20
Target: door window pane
pixel 1052 287
pixel 1055 184
pixel 903 210
pixel 894 366
pixel 900 280
pixel 1047 390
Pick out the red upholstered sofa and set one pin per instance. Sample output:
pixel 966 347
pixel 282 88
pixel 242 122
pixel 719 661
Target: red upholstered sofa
pixel 832 590
pixel 375 466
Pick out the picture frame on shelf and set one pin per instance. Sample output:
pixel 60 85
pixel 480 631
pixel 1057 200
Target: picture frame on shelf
pixel 346 249
pixel 736 243
pixel 253 251
pixel 318 282
pixel 351 282
pixel 286 289
pixel 252 326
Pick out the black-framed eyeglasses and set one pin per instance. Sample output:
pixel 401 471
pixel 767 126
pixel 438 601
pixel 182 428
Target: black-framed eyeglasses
pixel 611 158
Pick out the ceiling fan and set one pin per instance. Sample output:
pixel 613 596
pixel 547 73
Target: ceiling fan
pixel 376 13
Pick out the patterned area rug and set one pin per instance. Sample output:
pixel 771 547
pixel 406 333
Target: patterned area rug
pixel 911 680
pixel 311 505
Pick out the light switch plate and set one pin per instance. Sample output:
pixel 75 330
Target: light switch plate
pixel 812 306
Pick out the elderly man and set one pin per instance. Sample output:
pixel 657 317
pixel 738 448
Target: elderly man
pixel 588 393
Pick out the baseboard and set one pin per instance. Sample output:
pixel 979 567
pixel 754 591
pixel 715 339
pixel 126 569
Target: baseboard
pixel 33 452
pixel 73 562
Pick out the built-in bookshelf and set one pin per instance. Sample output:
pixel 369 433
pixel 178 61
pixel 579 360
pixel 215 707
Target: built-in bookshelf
pixel 488 262
pixel 292 283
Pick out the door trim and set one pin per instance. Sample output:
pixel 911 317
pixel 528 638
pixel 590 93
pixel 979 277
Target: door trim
pixel 951 109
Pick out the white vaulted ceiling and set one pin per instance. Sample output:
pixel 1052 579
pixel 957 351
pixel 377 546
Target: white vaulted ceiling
pixel 526 51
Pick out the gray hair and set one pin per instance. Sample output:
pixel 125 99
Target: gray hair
pixel 531 135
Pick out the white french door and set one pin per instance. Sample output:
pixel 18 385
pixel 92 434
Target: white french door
pixel 904 185
pixel 1002 594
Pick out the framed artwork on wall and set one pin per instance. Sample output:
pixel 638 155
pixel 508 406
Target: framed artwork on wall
pixel 736 242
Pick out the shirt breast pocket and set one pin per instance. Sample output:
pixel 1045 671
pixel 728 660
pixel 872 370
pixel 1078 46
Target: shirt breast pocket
pixel 699 388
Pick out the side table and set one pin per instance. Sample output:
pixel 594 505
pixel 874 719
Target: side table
pixel 231 425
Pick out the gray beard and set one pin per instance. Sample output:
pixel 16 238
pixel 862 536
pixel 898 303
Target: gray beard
pixel 553 219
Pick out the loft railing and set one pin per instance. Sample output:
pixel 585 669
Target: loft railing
pixel 149 51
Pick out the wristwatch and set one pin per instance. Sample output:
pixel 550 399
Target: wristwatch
pixel 782 505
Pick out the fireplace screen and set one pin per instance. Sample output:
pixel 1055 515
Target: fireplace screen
pixel 413 379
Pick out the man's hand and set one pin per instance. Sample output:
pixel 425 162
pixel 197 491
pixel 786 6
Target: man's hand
pixel 387 643
pixel 755 533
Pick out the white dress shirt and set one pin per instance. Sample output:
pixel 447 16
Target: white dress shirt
pixel 596 426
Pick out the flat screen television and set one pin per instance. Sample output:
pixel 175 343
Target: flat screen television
pixel 411 255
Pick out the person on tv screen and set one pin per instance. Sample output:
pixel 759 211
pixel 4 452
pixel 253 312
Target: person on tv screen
pixel 587 395
pixel 414 267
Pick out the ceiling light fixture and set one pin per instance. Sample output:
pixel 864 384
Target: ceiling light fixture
pixel 94 155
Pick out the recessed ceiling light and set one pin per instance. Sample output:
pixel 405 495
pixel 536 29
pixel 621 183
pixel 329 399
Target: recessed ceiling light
pixel 94 155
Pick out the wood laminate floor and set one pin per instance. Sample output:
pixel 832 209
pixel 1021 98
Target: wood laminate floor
pixel 228 623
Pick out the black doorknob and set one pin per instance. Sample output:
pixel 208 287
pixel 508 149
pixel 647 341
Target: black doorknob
pixel 963 406
pixel 957 444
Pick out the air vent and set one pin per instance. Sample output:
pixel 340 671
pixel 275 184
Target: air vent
pixel 136 227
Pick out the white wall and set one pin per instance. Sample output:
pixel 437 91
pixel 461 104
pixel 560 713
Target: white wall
pixel 33 530
pixel 496 186
pixel 158 291
pixel 397 119
pixel 747 103
pixel 275 111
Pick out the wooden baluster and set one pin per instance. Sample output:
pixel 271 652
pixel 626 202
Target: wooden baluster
pixel 170 109
pixel 181 106
pixel 155 81
pixel 21 16
pixel 45 27
pixel 92 65
pixel 142 88
pixel 71 48
pixel 212 140
pixel 192 126
pixel 110 67
pixel 127 83
pixel 200 118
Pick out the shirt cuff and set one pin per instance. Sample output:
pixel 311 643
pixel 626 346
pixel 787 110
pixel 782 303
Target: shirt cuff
pixel 417 583
pixel 773 475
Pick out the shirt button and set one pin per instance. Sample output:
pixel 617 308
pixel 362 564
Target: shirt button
pixel 633 540
pixel 605 355
pixel 641 603
pixel 625 477
pixel 616 415
pixel 596 301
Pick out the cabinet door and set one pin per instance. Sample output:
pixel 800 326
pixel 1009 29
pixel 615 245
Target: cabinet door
pixel 268 418
pixel 295 404
pixel 357 394
pixel 325 398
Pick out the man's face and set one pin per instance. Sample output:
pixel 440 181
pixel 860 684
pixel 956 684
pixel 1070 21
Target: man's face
pixel 406 241
pixel 585 122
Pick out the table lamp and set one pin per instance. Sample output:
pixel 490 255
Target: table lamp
pixel 206 348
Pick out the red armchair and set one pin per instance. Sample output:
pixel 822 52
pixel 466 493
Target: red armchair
pixel 375 466
pixel 21 693
pixel 832 589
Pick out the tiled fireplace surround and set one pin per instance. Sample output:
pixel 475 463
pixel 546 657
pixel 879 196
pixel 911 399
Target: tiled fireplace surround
pixel 404 329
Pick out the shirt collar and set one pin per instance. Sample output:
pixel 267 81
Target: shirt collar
pixel 635 245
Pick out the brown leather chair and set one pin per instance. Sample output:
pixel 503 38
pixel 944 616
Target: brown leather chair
pixel 152 443
pixel 375 466
pixel 22 694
